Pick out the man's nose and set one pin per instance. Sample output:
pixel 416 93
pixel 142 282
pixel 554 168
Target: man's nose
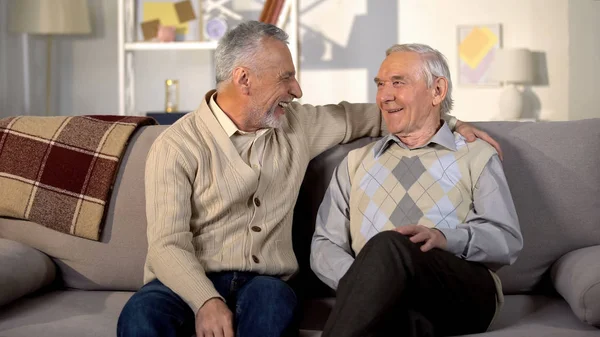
pixel 387 94
pixel 295 89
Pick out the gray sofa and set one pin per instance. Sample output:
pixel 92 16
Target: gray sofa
pixel 53 284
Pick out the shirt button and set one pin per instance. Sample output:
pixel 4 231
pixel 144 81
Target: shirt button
pixel 256 228
pixel 255 259
pixel 255 166
pixel 257 202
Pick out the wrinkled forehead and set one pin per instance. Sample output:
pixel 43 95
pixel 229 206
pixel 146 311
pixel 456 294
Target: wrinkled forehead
pixel 405 64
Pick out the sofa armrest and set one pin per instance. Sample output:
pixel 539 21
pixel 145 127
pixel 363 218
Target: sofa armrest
pixel 576 277
pixel 23 270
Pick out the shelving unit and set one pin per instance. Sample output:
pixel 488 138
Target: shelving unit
pixel 208 45
pixel 128 47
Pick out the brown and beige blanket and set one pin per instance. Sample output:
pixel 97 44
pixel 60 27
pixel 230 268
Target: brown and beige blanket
pixel 59 171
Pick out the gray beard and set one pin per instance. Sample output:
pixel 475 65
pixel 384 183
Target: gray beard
pixel 269 120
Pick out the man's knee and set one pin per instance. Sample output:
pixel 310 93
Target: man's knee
pixel 386 240
pixel 151 311
pixel 137 315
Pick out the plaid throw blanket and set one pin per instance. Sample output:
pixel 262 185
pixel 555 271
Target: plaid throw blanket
pixel 59 171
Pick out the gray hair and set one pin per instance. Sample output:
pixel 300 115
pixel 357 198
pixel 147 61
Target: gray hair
pixel 434 66
pixel 241 45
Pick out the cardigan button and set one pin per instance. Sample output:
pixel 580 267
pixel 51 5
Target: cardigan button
pixel 256 229
pixel 255 259
pixel 257 202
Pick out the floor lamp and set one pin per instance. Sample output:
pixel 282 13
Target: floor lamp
pixel 49 17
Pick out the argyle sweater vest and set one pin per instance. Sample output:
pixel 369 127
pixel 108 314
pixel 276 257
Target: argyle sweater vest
pixel 431 186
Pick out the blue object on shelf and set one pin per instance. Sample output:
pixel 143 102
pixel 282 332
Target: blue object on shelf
pixel 166 118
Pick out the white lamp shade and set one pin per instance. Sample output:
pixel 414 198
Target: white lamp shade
pixel 513 66
pixel 50 17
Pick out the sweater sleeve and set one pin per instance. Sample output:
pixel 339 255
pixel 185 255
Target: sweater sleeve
pixel 171 254
pixel 328 125
pixel 491 233
pixel 331 254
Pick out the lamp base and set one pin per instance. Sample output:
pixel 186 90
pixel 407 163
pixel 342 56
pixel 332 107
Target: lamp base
pixel 510 103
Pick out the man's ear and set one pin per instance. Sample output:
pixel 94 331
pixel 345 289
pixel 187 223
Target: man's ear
pixel 241 80
pixel 439 90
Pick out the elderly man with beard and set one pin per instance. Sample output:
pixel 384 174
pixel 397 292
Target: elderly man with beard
pixel 413 226
pixel 221 184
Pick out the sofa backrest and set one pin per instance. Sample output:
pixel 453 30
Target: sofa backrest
pixel 116 261
pixel 553 169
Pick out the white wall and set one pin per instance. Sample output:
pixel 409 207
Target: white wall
pixel 3 56
pixel 12 86
pixel 540 25
pixel 87 65
pixel 85 71
pixel 343 44
pixel 86 78
pixel 584 59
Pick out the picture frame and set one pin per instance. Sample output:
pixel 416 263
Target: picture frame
pixel 477 46
pixel 169 13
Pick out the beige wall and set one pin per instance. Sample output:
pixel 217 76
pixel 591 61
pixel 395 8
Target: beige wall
pixel 584 59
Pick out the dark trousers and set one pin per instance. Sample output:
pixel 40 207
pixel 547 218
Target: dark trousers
pixel 263 306
pixel 394 289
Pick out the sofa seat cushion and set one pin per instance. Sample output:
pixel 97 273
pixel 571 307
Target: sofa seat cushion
pixel 23 270
pixel 521 316
pixel 76 313
pixel 72 313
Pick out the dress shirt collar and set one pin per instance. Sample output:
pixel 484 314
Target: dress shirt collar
pixel 443 137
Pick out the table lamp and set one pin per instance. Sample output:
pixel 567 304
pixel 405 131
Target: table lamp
pixel 49 17
pixel 513 67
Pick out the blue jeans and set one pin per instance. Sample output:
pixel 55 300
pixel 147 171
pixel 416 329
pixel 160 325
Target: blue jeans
pixel 262 306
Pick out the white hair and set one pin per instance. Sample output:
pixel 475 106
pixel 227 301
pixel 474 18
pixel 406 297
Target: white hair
pixel 434 66
pixel 241 45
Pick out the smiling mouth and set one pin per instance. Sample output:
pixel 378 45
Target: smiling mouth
pixel 394 110
pixel 283 104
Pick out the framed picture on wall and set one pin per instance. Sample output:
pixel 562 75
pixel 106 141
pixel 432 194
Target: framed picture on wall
pixel 168 20
pixel 477 47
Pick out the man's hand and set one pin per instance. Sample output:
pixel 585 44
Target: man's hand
pixel 432 237
pixel 471 133
pixel 214 319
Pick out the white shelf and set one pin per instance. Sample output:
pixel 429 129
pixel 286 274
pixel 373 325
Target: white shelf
pixel 209 45
pixel 127 51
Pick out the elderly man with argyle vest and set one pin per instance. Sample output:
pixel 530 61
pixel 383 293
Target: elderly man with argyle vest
pixel 414 225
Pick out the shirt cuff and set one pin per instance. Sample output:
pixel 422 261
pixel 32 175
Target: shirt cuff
pixel 456 240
